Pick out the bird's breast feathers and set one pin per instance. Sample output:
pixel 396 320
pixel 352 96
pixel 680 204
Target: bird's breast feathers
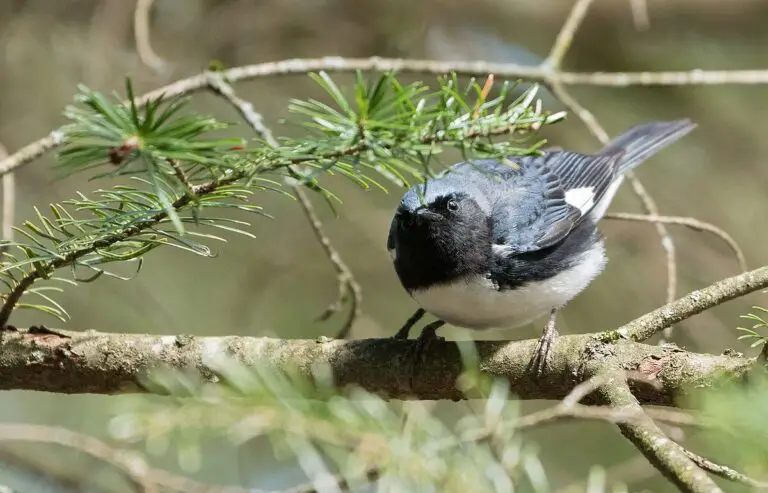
pixel 477 303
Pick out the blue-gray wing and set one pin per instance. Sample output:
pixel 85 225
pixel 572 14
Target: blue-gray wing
pixel 584 178
pixel 547 197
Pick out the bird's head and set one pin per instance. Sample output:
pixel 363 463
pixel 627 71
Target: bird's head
pixel 441 224
pixel 437 208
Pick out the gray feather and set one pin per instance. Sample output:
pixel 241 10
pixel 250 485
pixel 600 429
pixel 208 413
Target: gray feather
pixel 643 141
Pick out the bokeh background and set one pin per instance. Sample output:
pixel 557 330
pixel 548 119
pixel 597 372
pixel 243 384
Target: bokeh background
pixel 279 283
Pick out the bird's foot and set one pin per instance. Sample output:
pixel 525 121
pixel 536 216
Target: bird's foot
pixel 418 352
pixel 406 328
pixel 543 350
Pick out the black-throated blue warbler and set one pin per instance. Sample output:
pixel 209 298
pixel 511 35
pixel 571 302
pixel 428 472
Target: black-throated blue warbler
pixel 492 244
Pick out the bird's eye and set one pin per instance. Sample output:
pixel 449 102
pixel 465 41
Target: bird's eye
pixel 452 205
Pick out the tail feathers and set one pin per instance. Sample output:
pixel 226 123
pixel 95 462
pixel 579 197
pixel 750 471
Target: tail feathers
pixel 643 141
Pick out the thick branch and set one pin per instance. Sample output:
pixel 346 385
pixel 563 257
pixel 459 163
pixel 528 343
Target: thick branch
pixel 92 362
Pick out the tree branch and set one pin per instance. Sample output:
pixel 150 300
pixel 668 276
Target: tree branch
pixel 665 455
pixel 690 222
pixel 562 44
pixel 590 121
pixel 347 283
pixel 567 32
pixel 644 327
pixel 100 363
pixel 725 471
pixel 146 479
pixel 300 66
pixel 141 35
pixel 9 202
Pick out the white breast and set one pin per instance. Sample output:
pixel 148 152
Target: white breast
pixel 476 304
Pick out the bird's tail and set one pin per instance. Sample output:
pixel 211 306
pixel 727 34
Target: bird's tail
pixel 643 141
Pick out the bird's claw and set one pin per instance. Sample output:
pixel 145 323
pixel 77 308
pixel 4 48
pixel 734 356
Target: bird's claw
pixel 406 328
pixel 419 350
pixel 543 351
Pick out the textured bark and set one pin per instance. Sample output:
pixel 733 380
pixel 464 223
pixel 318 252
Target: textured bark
pixel 664 454
pixel 102 363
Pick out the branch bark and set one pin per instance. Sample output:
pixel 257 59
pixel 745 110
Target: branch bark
pixel 665 455
pixel 100 363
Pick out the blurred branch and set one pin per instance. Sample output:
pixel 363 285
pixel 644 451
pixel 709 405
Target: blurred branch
pixel 690 222
pixel 144 477
pixel 134 468
pixel 39 475
pixel 565 37
pixel 347 283
pixel 9 202
pixel 640 14
pixel 141 33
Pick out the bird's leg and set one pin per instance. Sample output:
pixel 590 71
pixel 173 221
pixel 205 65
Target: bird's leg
pixel 544 346
pixel 422 343
pixel 406 328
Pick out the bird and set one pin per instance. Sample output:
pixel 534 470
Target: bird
pixel 499 243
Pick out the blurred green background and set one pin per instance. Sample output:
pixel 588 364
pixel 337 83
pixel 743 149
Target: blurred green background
pixel 278 284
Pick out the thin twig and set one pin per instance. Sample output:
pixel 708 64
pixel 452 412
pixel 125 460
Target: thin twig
pixel 562 43
pixel 725 471
pixel 141 34
pixel 569 408
pixel 40 473
pixel 690 222
pixel 347 284
pixel 583 389
pixel 9 203
pixel 20 288
pixel 647 201
pixel 565 37
pixel 644 327
pixel 640 16
pixel 300 66
pixel 132 464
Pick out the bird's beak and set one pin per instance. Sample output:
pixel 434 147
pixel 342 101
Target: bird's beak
pixel 425 214
pixel 416 216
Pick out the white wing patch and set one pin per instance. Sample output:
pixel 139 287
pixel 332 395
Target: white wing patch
pixel 583 198
pixel 502 250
